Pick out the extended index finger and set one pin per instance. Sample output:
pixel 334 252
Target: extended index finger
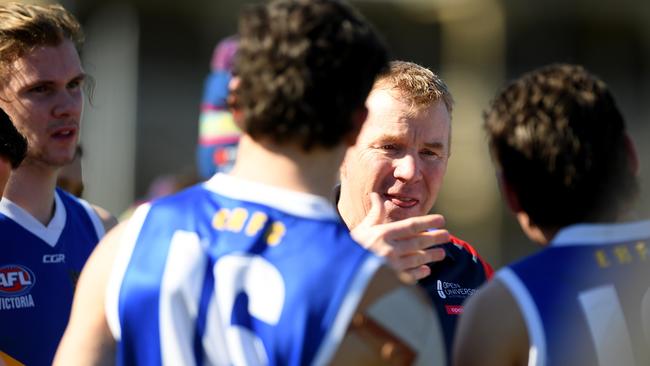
pixel 413 225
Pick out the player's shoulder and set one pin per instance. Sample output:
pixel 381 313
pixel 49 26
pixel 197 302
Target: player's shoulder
pixel 392 314
pixel 492 311
pixel 101 219
pixel 183 202
pixel 468 252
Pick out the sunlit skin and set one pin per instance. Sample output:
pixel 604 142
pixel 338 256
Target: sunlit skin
pixel 5 170
pixel 70 177
pixel 401 154
pixel 44 98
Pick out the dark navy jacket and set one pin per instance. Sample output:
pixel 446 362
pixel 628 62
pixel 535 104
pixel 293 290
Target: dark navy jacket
pixel 452 280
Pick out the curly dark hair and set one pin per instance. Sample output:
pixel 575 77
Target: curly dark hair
pixel 304 67
pixel 560 142
pixel 13 145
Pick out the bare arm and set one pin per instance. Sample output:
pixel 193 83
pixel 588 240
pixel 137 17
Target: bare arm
pixel 407 244
pixel 87 339
pixel 393 325
pixel 491 330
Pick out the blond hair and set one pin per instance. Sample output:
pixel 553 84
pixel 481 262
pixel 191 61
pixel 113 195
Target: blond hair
pixel 24 27
pixel 416 84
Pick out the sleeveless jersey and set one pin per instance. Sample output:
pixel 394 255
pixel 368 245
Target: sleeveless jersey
pixel 233 272
pixel 39 267
pixel 586 298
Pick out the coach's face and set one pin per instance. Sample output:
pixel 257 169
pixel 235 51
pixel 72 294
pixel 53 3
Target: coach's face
pixel 401 153
pixel 44 98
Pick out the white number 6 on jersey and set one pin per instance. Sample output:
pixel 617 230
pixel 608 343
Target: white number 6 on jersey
pixel 264 286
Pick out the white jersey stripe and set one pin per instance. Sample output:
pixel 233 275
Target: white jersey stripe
pixel 602 234
pixel 537 353
pixel 94 217
pixel 295 203
pixel 357 288
pixel 122 259
pixel 214 338
pixel 179 296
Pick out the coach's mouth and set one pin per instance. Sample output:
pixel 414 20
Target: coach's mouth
pixel 402 201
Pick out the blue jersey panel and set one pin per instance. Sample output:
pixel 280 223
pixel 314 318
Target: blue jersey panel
pixel 276 279
pixel 37 282
pixel 568 285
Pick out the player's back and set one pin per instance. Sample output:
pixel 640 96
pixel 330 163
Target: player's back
pixel 235 272
pixel 39 268
pixel 586 299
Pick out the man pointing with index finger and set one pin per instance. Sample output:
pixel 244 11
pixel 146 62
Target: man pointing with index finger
pixel 391 178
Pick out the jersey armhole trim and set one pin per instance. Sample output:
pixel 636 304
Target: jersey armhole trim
pixel 537 351
pixel 126 244
pixel 357 288
pixel 94 217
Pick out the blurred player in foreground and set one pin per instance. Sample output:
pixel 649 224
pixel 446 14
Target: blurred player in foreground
pixel 567 168
pixel 255 267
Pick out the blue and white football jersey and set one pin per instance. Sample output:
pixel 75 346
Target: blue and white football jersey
pixel 586 298
pixel 233 272
pixel 39 267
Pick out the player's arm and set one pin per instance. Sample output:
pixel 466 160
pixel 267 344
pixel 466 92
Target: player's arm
pixel 87 339
pixel 394 324
pixel 491 330
pixel 108 220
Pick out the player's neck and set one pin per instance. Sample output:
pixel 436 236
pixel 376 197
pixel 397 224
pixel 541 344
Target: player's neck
pixel 32 188
pixel 288 167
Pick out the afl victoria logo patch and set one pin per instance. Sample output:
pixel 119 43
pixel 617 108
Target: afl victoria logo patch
pixel 16 280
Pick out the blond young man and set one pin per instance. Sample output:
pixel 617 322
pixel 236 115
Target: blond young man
pixel 47 235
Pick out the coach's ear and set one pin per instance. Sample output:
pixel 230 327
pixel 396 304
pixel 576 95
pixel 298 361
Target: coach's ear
pixel 233 103
pixel 358 118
